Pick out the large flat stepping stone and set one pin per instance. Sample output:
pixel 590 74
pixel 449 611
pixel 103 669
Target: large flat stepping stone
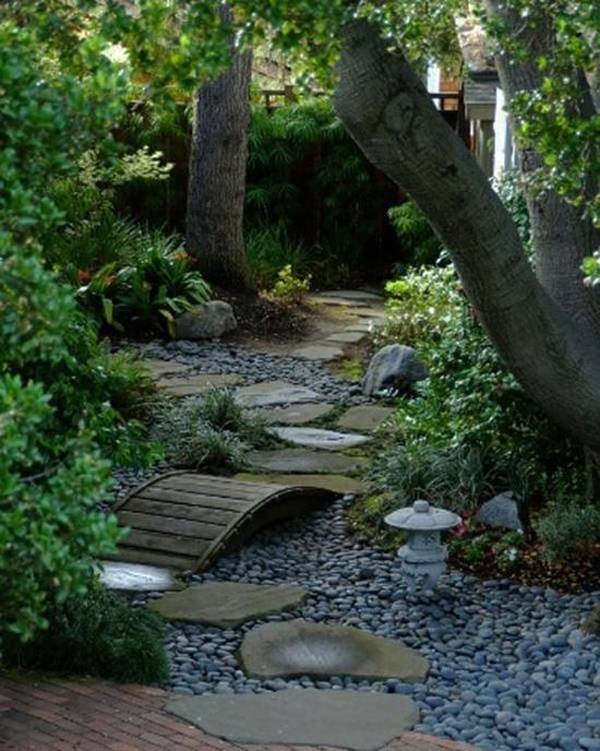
pixel 343 302
pixel 137 577
pixel 297 414
pixel 347 337
pixel 364 417
pixel 291 461
pixel 160 368
pixel 359 721
pixel 228 604
pixel 296 648
pixel 325 352
pixel 198 383
pixel 274 393
pixel 329 440
pixel 335 483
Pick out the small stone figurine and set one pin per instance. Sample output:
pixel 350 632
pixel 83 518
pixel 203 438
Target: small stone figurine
pixel 423 557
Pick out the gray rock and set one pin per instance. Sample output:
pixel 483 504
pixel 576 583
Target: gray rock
pixel 501 511
pixel 306 717
pixel 209 321
pixel 227 604
pixel 394 367
pixel 299 648
pixel 316 438
pixel 302 460
pixel 188 385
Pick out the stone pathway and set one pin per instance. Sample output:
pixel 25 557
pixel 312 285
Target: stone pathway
pixel 52 714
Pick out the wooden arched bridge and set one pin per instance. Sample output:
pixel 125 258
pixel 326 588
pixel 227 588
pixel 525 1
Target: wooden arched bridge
pixel 184 519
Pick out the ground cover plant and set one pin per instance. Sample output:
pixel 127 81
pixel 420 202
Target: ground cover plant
pixel 211 433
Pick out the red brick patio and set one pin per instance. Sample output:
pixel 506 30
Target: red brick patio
pixel 49 714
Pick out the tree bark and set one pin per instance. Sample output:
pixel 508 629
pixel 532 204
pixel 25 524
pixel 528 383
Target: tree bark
pixel 388 112
pixel 562 236
pixel 217 175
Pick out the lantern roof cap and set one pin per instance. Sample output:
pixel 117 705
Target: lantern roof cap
pixel 422 516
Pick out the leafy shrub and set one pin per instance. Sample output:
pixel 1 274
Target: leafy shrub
pixel 212 434
pixel 470 431
pixel 289 288
pixel 421 306
pixel 150 293
pixel 418 239
pixel 570 529
pixel 269 249
pixel 96 634
pixel 63 402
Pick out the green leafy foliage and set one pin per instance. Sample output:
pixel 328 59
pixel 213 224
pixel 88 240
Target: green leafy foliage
pixel 96 633
pixel 212 434
pixel 290 289
pixel 570 529
pixel 64 403
pixel 419 241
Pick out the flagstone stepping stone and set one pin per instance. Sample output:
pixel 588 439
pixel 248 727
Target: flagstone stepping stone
pixel 364 417
pixel 337 301
pixel 273 393
pixel 317 352
pixel 352 294
pixel 160 368
pixel 336 483
pixel 197 383
pixel 296 648
pixel 302 460
pixel 376 313
pixel 354 720
pixel 298 414
pixel 347 337
pixel 137 577
pixel 228 604
pixel 316 438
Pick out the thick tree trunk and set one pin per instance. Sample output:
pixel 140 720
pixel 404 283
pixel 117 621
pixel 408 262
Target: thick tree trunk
pixel 217 176
pixel 562 236
pixel 387 111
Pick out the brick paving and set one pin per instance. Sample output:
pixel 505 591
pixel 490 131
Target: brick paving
pixel 39 713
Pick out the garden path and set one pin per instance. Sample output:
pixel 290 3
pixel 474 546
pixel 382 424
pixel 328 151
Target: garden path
pixel 51 714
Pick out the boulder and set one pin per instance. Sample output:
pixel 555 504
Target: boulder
pixel 393 368
pixel 501 511
pixel 208 321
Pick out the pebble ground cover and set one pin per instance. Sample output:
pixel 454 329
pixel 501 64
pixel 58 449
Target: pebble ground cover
pixel 510 667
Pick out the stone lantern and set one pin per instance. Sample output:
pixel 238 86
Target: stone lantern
pixel 423 557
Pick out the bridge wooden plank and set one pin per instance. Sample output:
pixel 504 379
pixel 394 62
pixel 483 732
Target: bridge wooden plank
pixel 155 558
pixel 191 498
pixel 178 544
pixel 170 525
pixel 181 511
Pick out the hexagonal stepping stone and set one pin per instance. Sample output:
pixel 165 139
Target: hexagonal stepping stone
pixel 335 483
pixel 364 417
pixel 160 368
pixel 298 414
pixel 296 648
pixel 274 393
pixel 358 721
pixel 302 460
pixel 323 352
pixel 316 438
pixel 347 337
pixel 197 383
pixel 228 604
pixel 137 577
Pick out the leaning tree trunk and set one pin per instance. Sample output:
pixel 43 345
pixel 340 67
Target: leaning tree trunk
pixel 387 111
pixel 217 176
pixel 563 236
